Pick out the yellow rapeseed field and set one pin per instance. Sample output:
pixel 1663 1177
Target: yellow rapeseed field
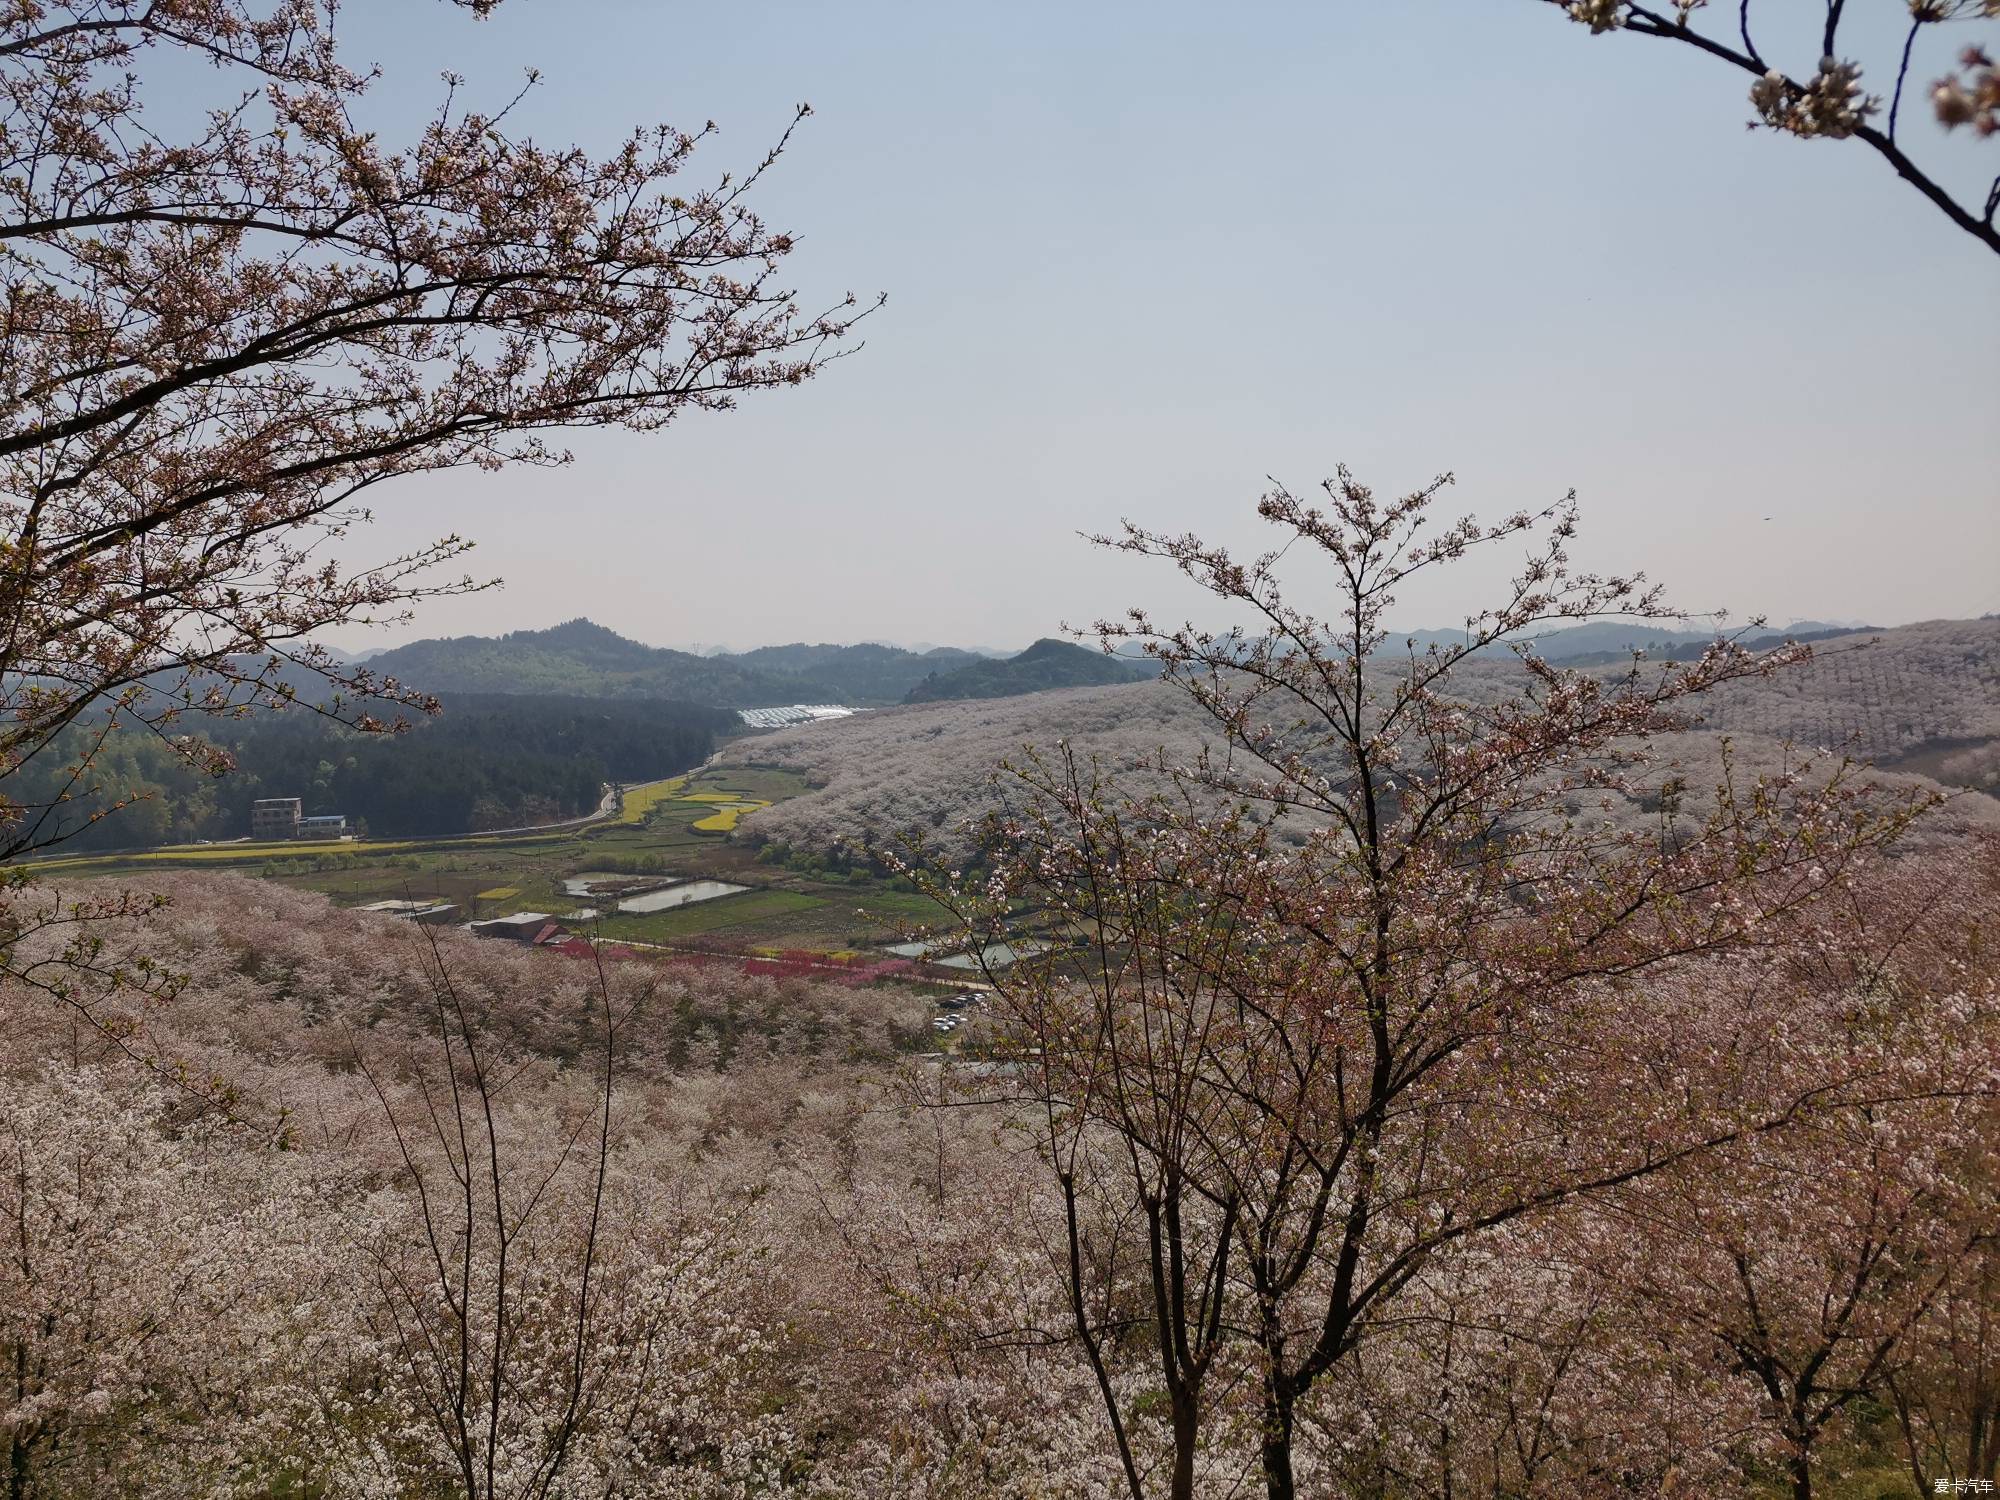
pixel 641 800
pixel 725 818
pixel 224 853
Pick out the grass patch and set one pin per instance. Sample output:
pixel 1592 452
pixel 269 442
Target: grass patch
pixel 499 893
pixel 901 908
pixel 754 783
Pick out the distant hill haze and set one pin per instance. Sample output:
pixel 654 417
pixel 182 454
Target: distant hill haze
pixel 1044 665
pixel 1607 639
pixel 868 673
pixel 580 658
pixel 584 659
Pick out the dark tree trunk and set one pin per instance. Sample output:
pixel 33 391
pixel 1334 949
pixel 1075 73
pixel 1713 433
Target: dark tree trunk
pixel 1277 1441
pixel 1185 1429
pixel 1800 1465
pixel 17 1442
pixel 1981 1460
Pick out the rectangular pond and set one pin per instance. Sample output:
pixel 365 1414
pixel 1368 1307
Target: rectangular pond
pixel 996 955
pixel 680 895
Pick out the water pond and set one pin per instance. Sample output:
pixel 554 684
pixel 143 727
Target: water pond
pixel 680 895
pixel 996 955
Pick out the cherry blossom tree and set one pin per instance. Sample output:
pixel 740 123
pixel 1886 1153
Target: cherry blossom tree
pixel 804 1283
pixel 1828 100
pixel 1519 1367
pixel 1379 977
pixel 1946 1389
pixel 493 1317
pixel 171 1297
pixel 1817 1259
pixel 1822 1263
pixel 937 1323
pixel 227 330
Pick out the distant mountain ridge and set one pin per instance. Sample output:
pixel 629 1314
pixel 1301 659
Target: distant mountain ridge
pixel 581 658
pixel 584 659
pixel 1606 639
pixel 867 673
pixel 1044 665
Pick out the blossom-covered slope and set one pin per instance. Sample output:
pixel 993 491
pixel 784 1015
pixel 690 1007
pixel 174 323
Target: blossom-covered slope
pixel 1918 701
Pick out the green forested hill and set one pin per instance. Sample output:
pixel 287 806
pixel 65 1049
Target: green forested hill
pixel 579 659
pixel 1046 664
pixel 586 660
pixel 867 673
pixel 485 762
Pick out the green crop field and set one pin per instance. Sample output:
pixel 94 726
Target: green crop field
pixel 673 829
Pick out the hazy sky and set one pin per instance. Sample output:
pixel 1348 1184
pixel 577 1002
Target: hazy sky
pixel 1139 257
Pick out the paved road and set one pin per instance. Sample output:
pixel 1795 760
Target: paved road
pixel 606 808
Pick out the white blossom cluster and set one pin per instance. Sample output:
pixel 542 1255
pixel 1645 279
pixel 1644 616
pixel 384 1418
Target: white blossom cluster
pixel 929 767
pixel 1608 15
pixel 1971 95
pixel 1831 105
pixel 1599 15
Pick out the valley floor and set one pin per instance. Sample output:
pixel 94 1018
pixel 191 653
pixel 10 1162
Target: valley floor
pixel 677 828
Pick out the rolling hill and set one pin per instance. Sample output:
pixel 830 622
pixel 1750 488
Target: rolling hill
pixel 867 673
pixel 1615 640
pixel 1916 701
pixel 1046 664
pixel 580 658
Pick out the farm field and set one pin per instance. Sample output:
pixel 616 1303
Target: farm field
pixel 641 801
pixel 755 914
pixel 674 829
